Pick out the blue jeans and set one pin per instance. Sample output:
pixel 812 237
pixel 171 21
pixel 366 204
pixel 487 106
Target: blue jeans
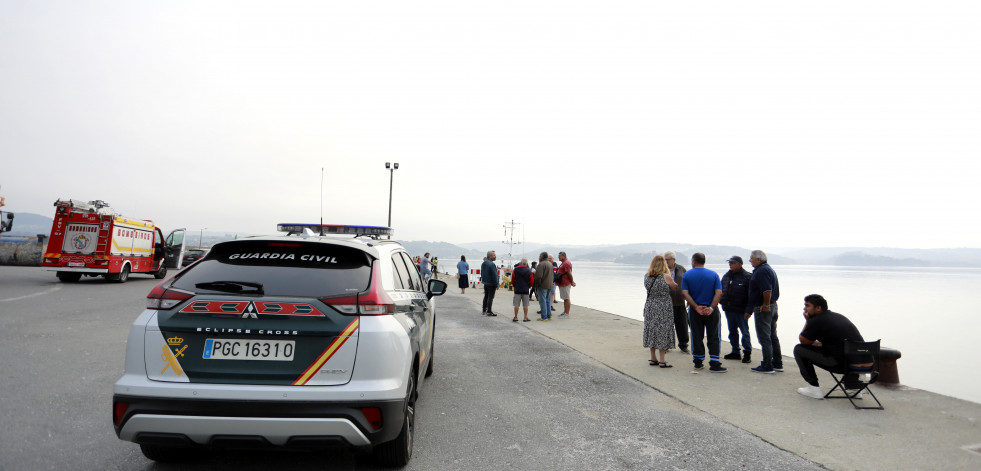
pixel 705 327
pixel 766 333
pixel 738 323
pixel 544 303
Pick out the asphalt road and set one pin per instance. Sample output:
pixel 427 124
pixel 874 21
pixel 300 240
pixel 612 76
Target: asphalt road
pixel 502 396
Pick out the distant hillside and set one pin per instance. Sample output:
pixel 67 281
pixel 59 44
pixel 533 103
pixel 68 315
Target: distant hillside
pixel 714 254
pixel 860 259
pixel 884 256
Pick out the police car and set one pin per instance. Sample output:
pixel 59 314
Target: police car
pixel 317 338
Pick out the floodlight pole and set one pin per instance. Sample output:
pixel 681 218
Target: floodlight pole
pixel 509 233
pixel 391 178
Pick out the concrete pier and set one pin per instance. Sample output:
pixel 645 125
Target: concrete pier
pixel 917 430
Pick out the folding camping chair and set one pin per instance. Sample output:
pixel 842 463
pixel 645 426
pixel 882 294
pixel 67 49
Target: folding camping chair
pixel 859 355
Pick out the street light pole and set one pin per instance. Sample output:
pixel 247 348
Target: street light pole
pixel 391 178
pixel 200 237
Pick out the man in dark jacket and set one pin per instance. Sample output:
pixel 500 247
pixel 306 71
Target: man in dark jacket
pixel 764 291
pixel 490 279
pixel 521 280
pixel 678 301
pixel 735 297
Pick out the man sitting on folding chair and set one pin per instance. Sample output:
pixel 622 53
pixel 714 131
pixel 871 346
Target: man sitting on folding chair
pixel 822 344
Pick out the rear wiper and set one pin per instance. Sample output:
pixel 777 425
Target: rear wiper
pixel 232 286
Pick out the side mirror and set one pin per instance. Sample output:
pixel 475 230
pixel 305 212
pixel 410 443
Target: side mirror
pixel 436 288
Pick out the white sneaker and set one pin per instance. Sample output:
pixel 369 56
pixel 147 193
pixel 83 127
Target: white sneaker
pixel 854 393
pixel 811 391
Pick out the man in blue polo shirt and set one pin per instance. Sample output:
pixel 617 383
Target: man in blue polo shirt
pixel 702 289
pixel 764 290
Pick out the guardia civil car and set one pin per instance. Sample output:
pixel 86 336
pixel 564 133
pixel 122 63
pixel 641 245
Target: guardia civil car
pixel 320 337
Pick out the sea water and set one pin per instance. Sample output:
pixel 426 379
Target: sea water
pixel 931 315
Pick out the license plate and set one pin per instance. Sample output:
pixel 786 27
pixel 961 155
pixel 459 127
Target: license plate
pixel 249 349
pixel 76 264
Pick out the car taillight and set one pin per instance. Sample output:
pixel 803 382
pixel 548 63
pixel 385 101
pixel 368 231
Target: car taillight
pixel 162 298
pixel 372 302
pixel 119 411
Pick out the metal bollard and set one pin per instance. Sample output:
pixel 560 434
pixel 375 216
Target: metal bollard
pixel 888 371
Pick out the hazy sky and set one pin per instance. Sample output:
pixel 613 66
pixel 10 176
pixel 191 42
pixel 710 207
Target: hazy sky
pixel 760 124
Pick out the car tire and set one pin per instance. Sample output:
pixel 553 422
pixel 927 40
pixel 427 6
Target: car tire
pixel 163 454
pixel 398 452
pixel 161 273
pixel 69 277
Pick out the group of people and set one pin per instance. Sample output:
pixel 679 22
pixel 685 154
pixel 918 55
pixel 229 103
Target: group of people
pixel 539 280
pixel 742 295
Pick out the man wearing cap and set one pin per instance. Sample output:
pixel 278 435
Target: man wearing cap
pixel 735 297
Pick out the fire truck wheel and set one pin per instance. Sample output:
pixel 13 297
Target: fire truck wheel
pixel 69 277
pixel 161 273
pixel 122 276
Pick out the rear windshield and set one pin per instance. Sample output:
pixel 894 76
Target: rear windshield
pixel 282 268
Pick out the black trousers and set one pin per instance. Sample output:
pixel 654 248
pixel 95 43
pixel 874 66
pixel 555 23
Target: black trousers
pixel 681 325
pixel 489 292
pixel 809 356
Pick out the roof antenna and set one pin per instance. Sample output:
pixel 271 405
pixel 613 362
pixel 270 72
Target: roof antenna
pixel 321 201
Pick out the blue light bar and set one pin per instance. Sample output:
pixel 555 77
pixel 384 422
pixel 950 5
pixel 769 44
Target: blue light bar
pixel 336 229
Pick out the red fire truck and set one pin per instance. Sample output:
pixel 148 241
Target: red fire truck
pixel 91 239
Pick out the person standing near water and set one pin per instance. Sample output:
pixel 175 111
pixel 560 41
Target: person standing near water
pixel 544 279
pixel 702 289
pixel 764 290
pixel 463 269
pixel 491 280
pixel 735 296
pixel 658 313
pixel 566 283
pixel 678 301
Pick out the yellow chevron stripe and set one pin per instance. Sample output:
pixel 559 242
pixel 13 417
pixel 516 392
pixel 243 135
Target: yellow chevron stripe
pixel 329 352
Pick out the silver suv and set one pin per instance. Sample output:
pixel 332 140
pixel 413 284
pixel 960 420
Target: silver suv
pixel 317 338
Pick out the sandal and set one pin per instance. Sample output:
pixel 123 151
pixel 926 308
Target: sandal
pixel 664 364
pixel 514 320
pixel 653 363
pixel 527 320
